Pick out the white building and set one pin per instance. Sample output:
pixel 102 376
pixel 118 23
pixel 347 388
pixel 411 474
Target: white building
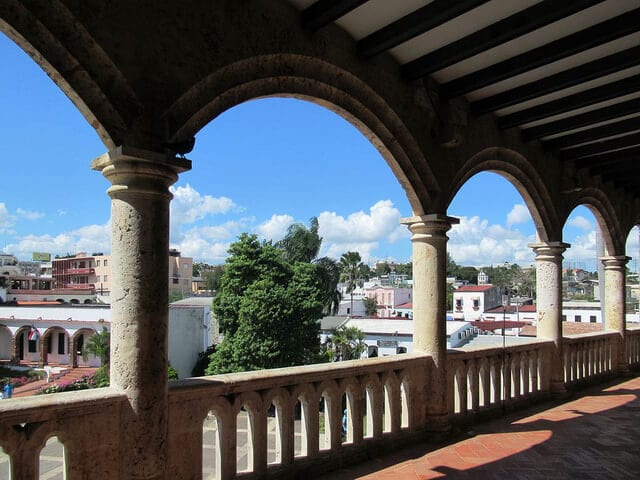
pixel 471 301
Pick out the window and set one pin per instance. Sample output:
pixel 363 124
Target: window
pixel 592 319
pixel 106 263
pixel 400 350
pixel 476 303
pixel 564 318
pixel 105 278
pixel 97 263
pixel 577 318
pixel 33 346
pixel 176 281
pixel 458 304
pixel 185 266
pixel 61 342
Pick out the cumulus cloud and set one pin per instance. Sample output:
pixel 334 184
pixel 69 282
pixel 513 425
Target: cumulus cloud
pixel 476 242
pixel 6 220
pixel 580 222
pixel 361 231
pixel 189 206
pixel 29 215
pixel 519 214
pixel 91 238
pixel 275 228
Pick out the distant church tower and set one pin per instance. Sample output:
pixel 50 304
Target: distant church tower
pixel 483 278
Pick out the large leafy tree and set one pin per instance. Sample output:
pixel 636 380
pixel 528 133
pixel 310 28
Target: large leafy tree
pixel 268 309
pixel 351 267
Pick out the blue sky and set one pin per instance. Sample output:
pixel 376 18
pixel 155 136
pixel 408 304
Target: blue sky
pixel 257 168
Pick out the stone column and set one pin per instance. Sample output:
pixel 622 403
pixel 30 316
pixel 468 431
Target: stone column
pixel 139 300
pixel 549 305
pixel 429 241
pixel 615 307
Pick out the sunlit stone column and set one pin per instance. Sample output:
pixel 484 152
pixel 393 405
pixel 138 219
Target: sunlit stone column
pixel 549 304
pixel 139 300
pixel 429 241
pixel 614 305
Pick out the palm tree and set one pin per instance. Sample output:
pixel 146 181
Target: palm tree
pixel 351 267
pixel 302 244
pixel 99 345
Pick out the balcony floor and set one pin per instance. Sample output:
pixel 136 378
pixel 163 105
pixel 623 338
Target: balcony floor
pixel 594 435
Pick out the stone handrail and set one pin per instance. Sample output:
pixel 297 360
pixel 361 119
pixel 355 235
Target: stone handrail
pixel 632 338
pixel 77 419
pixel 475 377
pixel 377 394
pixel 588 355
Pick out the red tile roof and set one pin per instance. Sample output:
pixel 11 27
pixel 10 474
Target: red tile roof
pixel 475 288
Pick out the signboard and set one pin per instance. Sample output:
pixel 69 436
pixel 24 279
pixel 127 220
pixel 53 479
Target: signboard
pixel 387 343
pixel 41 257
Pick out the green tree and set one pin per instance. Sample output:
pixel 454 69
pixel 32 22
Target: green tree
pixel 344 343
pixel 370 306
pixel 99 345
pixel 351 268
pixel 268 309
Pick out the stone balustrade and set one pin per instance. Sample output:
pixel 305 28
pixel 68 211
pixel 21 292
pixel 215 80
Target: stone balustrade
pixel 589 356
pixel 482 380
pixel 86 423
pixel 632 339
pixel 291 418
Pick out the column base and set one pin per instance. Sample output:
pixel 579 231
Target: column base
pixel 437 423
pixel 558 390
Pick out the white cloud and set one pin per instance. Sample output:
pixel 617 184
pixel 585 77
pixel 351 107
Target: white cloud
pixel 29 215
pixel 6 220
pixel 475 242
pixel 91 238
pixel 360 231
pixel 275 228
pixel 519 214
pixel 189 206
pixel 580 222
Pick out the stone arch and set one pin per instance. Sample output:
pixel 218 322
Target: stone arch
pixel 47 334
pixel 311 79
pixel 23 330
pixel 75 348
pixel 73 59
pixel 600 204
pixel 516 169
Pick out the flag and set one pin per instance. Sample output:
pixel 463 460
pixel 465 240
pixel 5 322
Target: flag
pixel 34 334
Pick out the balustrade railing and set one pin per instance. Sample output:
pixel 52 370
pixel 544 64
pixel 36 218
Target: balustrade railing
pixel 489 378
pixel 588 356
pixel 632 338
pixel 250 423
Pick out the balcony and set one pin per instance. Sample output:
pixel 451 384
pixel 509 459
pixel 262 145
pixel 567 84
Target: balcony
pixel 80 286
pixel 288 422
pixel 81 271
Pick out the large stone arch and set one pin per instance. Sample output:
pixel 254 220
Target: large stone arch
pixel 526 180
pixel 314 80
pixel 70 55
pixel 604 211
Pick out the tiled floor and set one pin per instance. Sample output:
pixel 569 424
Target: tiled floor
pixel 596 435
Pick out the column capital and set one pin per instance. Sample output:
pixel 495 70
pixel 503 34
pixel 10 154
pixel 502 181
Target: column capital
pixel 549 250
pixel 137 171
pixel 429 224
pixel 614 262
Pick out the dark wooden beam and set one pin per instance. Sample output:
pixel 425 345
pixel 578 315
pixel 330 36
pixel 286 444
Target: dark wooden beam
pixel 599 34
pixel 323 12
pixel 569 78
pixel 521 23
pixel 571 102
pixel 422 20
pixel 604 146
pixel 603 131
pixel 621 109
pixel 621 156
